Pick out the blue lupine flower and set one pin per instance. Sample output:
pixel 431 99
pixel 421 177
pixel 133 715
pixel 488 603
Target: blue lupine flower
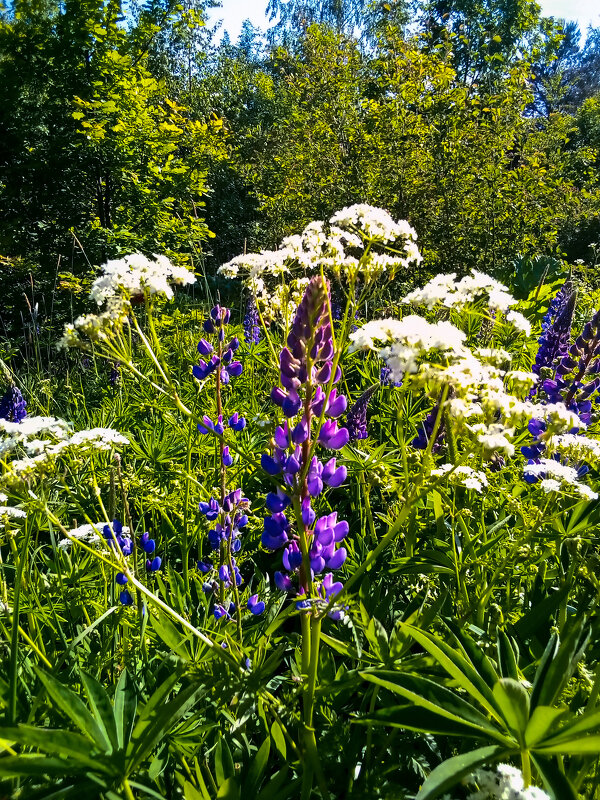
pixel 121 578
pixel 236 423
pixel 210 510
pixel 251 323
pixel 13 407
pixel 226 457
pixel 255 605
pixel 154 564
pixel 147 544
pixel 126 598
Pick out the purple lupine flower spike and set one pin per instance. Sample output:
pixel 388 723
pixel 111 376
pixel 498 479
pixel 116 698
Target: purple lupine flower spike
pixel 356 419
pixel 13 407
pixel 556 331
pixel 306 372
pixel 251 322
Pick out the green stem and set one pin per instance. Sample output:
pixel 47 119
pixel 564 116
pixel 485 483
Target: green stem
pixel 14 644
pixel 526 767
pixel 127 790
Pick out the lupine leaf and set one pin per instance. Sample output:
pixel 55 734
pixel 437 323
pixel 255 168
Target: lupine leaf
pixel 74 708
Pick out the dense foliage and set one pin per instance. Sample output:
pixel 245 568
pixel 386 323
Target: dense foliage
pixel 303 501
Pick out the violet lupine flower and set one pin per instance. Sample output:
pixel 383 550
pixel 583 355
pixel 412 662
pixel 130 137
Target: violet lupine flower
pixel 556 330
pixel 421 440
pixel 123 541
pixel 356 418
pixel 385 377
pixel 13 407
pixel 251 322
pixel 255 605
pixel 306 365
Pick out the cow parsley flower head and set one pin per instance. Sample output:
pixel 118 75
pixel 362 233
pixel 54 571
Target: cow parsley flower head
pixel 462 476
pixel 505 783
pixel 136 275
pixel 548 469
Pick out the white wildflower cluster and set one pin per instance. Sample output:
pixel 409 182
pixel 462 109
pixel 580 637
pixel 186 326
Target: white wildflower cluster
pixel 121 280
pixel 136 275
pixel 58 439
pixel 462 476
pixel 358 239
pixel 556 477
pixel 575 447
pixel 13 434
pixel 484 399
pixel 410 339
pixel 446 291
pixel 506 783
pixel 9 512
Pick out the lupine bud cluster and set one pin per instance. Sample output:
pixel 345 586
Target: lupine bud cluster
pixel 310 544
pixel 117 535
pixel 13 407
pixel 251 326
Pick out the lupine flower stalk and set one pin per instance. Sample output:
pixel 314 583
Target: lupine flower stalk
pixel 576 383
pixel 13 406
pixel 228 512
pixel 356 419
pixel 311 544
pixel 118 537
pixel 556 331
pixel 251 322
pixel 306 365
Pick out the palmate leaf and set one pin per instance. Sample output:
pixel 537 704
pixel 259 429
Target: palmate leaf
pixel 58 742
pixel 451 772
pixel 555 781
pixel 75 709
pixel 474 653
pixel 458 668
pixel 159 720
pixel 102 709
pixel 546 692
pixel 437 700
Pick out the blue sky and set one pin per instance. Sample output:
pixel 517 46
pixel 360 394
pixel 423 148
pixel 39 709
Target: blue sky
pixel 234 12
